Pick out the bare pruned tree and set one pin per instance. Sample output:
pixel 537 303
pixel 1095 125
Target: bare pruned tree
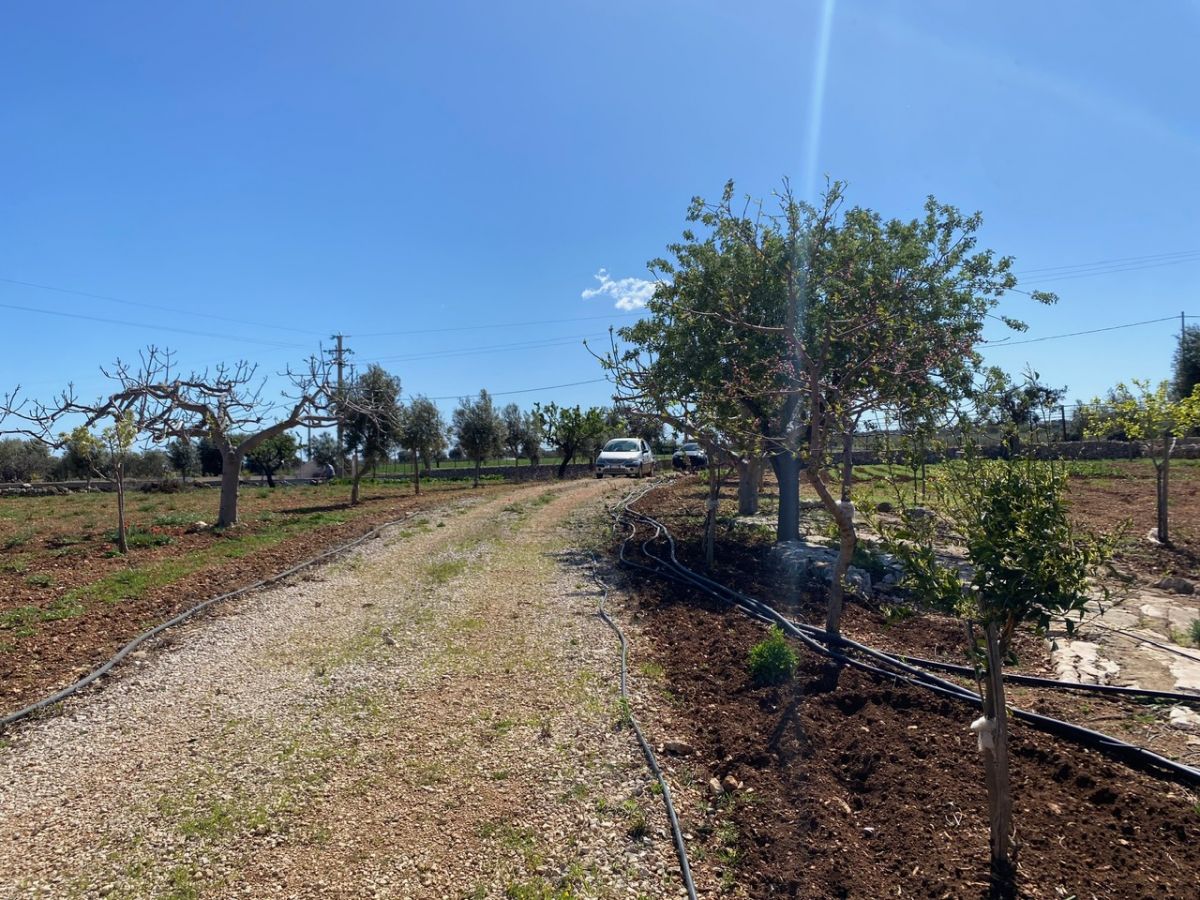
pixel 224 404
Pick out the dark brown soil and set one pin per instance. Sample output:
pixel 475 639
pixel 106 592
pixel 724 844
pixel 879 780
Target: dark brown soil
pixel 870 789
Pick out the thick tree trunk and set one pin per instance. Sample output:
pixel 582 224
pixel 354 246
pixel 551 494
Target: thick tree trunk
pixel 478 463
pixel 270 478
pixel 750 472
pixel 995 765
pixel 562 466
pixel 358 474
pixel 787 473
pixel 231 469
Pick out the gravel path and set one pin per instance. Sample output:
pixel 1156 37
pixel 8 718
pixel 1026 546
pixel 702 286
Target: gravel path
pixel 434 716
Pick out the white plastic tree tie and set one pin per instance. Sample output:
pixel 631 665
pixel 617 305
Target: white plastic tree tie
pixel 985 730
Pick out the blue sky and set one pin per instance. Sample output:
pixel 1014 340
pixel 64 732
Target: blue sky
pixel 391 171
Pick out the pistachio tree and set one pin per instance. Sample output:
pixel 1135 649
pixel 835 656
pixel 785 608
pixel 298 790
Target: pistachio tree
pixel 371 421
pixel 1152 418
pixel 1027 564
pixel 786 325
pixel 571 430
pixel 108 454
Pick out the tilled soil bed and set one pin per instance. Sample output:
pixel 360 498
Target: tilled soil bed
pixel 872 789
pixel 38 659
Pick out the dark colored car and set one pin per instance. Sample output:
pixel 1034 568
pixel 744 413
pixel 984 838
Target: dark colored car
pixel 690 456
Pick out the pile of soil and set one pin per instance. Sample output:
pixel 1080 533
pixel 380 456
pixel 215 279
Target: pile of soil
pixel 872 789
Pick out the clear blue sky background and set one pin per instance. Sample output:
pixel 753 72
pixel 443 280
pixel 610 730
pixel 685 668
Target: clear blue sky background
pixel 373 168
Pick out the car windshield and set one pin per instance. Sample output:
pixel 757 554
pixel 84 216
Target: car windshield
pixel 620 446
pixel 691 446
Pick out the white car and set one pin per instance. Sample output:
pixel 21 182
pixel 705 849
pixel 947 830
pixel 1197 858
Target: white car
pixel 625 456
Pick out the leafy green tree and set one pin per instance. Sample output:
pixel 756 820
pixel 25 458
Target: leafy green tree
pixel 371 421
pixel 1150 417
pixel 323 450
pixel 786 327
pixel 423 433
pixel 108 455
pixel 535 434
pixel 516 426
pixel 1186 367
pixel 272 455
pixel 1016 407
pixel 23 460
pixel 478 429
pixel 211 462
pixel 184 457
pixel 1028 565
pixel 571 430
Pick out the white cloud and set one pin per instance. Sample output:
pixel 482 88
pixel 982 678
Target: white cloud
pixel 629 293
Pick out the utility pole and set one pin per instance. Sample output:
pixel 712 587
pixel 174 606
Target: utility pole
pixel 1062 415
pixel 339 359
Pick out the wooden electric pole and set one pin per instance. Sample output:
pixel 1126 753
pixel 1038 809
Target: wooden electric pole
pixel 339 359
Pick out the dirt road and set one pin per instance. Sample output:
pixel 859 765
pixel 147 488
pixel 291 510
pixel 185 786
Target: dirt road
pixel 434 716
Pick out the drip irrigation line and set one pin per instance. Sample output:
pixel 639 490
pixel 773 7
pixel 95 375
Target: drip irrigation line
pixel 1055 684
pixel 685 870
pixel 895 669
pixel 102 670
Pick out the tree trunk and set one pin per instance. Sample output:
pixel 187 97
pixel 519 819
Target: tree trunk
pixel 354 483
pixel 231 468
pixel 847 464
pixel 122 535
pixel 710 519
pixel 562 466
pixel 750 473
pixel 270 478
pixel 843 515
pixel 478 463
pixel 995 765
pixel 416 475
pixel 1164 482
pixel 787 473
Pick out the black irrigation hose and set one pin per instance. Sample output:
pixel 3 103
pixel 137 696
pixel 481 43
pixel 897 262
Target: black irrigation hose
pixel 1055 684
pixel 79 685
pixel 685 870
pixel 818 642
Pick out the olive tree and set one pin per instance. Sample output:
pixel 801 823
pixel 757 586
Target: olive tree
pixel 1028 564
pixel 571 430
pixel 371 423
pixel 423 434
pixel 478 429
pixel 272 455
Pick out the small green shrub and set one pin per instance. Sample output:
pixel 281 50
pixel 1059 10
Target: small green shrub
pixel 772 661
pixel 1195 632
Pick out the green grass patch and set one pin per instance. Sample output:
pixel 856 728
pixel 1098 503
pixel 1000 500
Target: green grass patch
pixel 445 570
pixel 39 579
pixel 19 539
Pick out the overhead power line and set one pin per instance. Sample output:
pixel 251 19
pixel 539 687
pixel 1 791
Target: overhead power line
pixel 545 387
pixel 169 309
pixel 1156 259
pixel 151 326
pixel 499 325
pixel 1054 337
